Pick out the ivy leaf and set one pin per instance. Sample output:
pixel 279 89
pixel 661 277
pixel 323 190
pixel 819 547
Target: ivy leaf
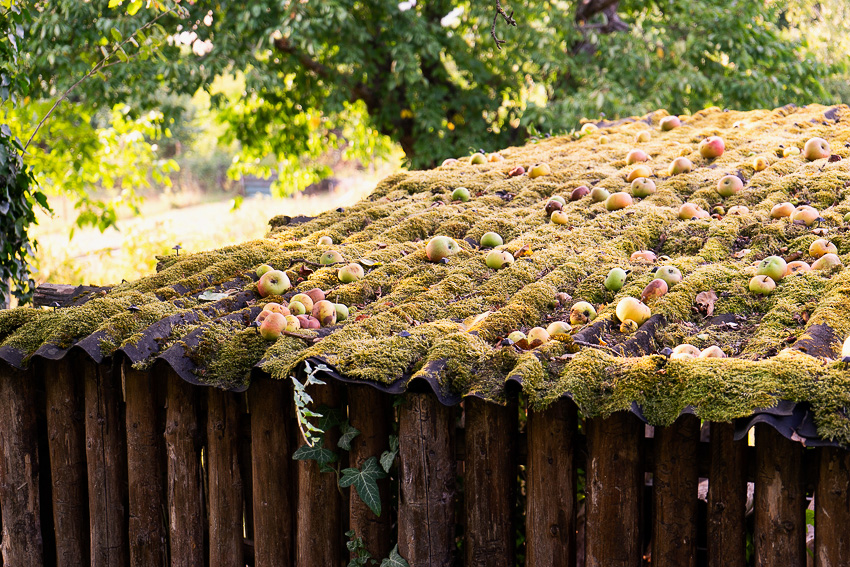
pixel 394 560
pixel 348 435
pixel 388 457
pixel 315 453
pixel 365 482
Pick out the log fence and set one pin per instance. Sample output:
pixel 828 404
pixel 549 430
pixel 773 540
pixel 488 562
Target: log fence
pixel 106 465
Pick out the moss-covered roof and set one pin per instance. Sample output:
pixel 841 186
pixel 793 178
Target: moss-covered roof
pixel 413 318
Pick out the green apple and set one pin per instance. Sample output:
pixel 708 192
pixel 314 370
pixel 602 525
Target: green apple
pixel 669 274
pixel 491 240
pixel 325 241
pixel 599 194
pixel 772 266
pixel 304 300
pixel 616 279
pixel 341 312
pixel 297 308
pixel 559 199
pixel 273 282
pixel 497 259
pixel 556 328
pixel 440 247
pixel 262 269
pixel 516 336
pixel 460 194
pixel 762 285
pixel 643 187
pixel 331 257
pixel 350 273
pixel 478 159
pixel 791 151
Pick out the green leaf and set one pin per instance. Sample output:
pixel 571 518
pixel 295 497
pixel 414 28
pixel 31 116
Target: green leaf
pixel 315 453
pixel 116 35
pixel 394 560
pixel 348 435
pixel 387 460
pixel 365 482
pixel 134 7
pixel 115 3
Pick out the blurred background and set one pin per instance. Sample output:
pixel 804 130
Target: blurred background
pixel 193 122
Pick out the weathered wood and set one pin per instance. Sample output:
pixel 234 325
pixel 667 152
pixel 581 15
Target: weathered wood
pixel 490 477
pixel 370 412
pixel 147 535
pixel 614 491
pixel 66 438
pixel 550 519
pixel 318 537
pixel 21 537
pixel 270 403
pixel 675 486
pixel 427 478
pixel 106 454
pixel 225 481
pixel 183 441
pixel 727 498
pixel 63 295
pixel 246 459
pixel 780 503
pixel 832 508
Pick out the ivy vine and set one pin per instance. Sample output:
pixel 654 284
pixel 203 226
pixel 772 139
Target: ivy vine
pixel 364 479
pixel 19 195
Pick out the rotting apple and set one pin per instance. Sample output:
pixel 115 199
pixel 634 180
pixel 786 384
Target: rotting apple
pixel 821 247
pixel 797 267
pixel 653 290
pixel 350 273
pixel 325 312
pixel 760 163
pixel 298 308
pixel 552 206
pixel 805 214
pixel 579 192
pixel 582 313
pixel 537 336
pixel 644 256
pixel 497 259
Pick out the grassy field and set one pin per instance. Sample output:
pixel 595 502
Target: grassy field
pixel 193 221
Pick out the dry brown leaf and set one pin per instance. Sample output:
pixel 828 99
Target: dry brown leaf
pixel 705 302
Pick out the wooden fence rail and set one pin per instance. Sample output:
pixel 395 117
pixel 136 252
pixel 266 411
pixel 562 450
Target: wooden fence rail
pixel 106 465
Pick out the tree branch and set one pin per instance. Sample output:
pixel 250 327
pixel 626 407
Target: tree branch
pixel 508 18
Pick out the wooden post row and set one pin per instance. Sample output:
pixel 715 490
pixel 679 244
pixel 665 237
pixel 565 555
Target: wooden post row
pixel 427 479
pixel 615 480
pixel 106 453
pixel 21 536
pixel 727 498
pixel 319 533
pixel 551 505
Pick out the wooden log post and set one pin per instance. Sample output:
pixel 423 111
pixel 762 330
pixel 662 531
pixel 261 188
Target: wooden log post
pixel 675 488
pixel 550 520
pixel 832 508
pixel 727 498
pixel 183 440
pixel 145 444
pixel 66 439
pixel 780 500
pixel 225 481
pixel 106 454
pixel 318 536
pixel 427 478
pixel 490 478
pixel 21 536
pixel 614 491
pixel 270 404
pixel 370 412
